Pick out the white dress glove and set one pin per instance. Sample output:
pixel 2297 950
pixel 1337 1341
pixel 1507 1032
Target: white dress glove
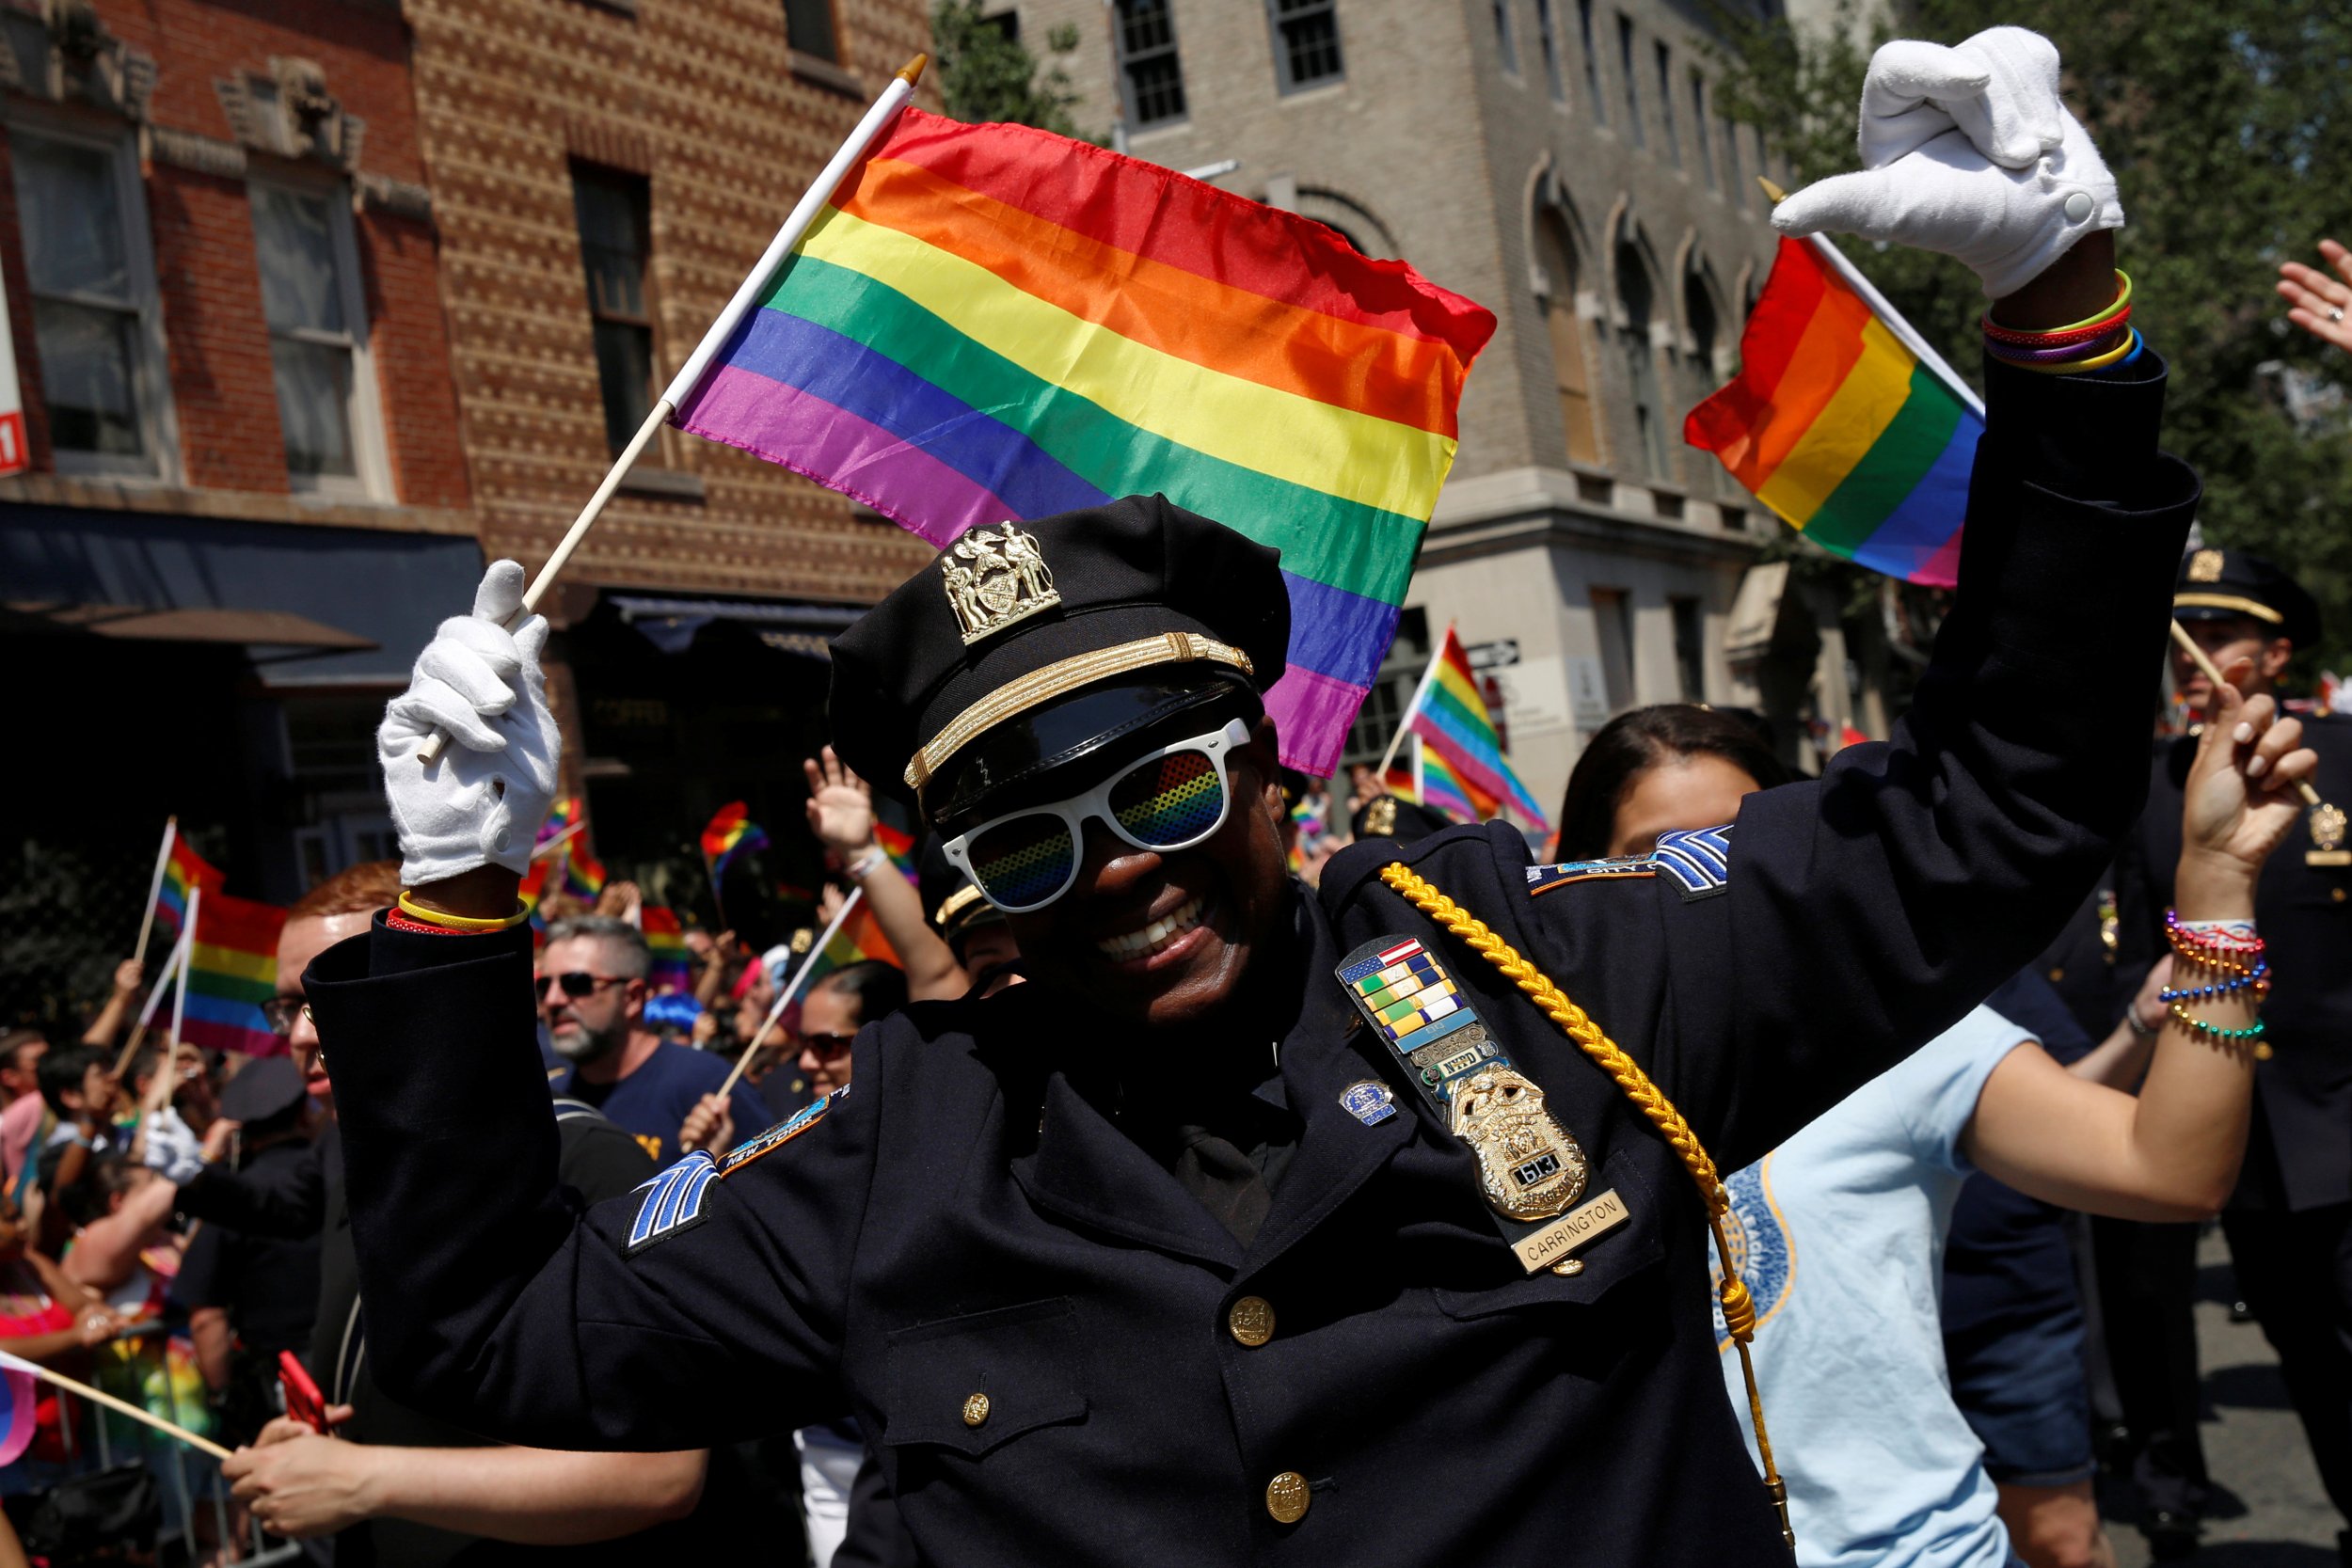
pixel 482 801
pixel 173 1147
pixel 1968 151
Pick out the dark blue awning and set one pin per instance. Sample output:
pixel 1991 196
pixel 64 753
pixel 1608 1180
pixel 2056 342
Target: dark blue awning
pixel 384 588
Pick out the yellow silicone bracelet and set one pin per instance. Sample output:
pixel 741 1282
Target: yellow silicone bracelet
pixel 2131 338
pixel 2122 297
pixel 415 910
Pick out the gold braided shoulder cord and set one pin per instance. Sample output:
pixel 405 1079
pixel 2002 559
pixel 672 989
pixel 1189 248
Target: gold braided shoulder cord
pixel 1738 1307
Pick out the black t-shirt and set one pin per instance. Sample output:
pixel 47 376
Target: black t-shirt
pixel 267 1285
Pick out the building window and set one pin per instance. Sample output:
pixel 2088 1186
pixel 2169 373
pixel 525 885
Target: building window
pixel 1571 365
pixel 1150 75
pixel 1700 130
pixel 615 216
pixel 1689 648
pixel 1641 360
pixel 1698 308
pixel 1666 104
pixel 1547 38
pixel 1613 628
pixel 1305 42
pixel 1627 70
pixel 810 29
pixel 1591 62
pixel 310 295
pixel 1392 688
pixel 1506 42
pixel 1735 165
pixel 96 324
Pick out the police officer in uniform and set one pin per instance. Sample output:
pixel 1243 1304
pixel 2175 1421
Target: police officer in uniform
pixel 2290 1223
pixel 1256 1224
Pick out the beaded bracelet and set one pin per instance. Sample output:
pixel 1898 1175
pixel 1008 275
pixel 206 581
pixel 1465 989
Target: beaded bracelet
pixel 2250 1035
pixel 2256 980
pixel 2194 938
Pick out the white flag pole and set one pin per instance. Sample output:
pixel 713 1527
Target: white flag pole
pixel 1420 690
pixel 187 962
pixel 156 887
pixel 784 997
pixel 1903 331
pixel 812 202
pixel 178 957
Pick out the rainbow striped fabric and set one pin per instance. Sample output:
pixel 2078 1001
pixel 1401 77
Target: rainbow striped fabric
pixel 561 814
pixel 860 937
pixel 901 848
pixel 1836 426
pixel 672 969
pixel 232 969
pixel 583 874
pixel 1457 735
pixel 731 832
pixel 993 321
pixel 1444 789
pixel 184 870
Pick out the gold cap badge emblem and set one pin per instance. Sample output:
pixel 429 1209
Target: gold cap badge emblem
pixel 2205 566
pixel 994 577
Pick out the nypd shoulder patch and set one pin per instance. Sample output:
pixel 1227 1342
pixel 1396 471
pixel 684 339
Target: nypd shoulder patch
pixel 1696 860
pixel 777 1136
pixel 673 1201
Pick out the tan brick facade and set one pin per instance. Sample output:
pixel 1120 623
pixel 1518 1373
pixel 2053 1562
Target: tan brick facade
pixel 706 99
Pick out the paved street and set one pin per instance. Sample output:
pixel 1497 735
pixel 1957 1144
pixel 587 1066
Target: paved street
pixel 2271 1512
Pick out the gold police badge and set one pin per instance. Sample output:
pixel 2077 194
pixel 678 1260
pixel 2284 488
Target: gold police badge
pixel 994 577
pixel 1528 1166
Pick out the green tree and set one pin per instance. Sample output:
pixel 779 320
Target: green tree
pixel 2228 129
pixel 985 74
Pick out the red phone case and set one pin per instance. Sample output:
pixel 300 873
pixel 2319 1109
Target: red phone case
pixel 303 1401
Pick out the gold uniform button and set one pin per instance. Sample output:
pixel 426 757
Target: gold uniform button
pixel 976 1410
pixel 2336 893
pixel 2056 972
pixel 1286 1497
pixel 1252 1320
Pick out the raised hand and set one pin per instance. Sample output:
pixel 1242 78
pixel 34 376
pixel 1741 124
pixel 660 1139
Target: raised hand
pixel 2320 304
pixel 1969 152
pixel 482 801
pixel 2240 799
pixel 841 806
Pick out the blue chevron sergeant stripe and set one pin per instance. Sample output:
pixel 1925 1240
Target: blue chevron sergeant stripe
pixel 673 1200
pixel 1696 860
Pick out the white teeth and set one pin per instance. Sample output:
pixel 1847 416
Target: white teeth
pixel 1136 943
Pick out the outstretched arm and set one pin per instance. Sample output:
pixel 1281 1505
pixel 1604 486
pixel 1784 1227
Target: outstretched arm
pixel 2171 1152
pixel 841 814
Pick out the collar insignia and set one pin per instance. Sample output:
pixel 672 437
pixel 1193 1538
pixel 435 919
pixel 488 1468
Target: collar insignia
pixel 994 577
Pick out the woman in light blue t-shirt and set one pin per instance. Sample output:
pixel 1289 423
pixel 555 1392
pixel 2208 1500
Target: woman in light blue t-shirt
pixel 1839 1232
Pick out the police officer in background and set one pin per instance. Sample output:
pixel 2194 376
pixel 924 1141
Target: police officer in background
pixel 1256 1224
pixel 2290 1224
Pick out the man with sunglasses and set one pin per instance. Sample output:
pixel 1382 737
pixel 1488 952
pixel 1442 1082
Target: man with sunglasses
pixel 1177 1255
pixel 593 989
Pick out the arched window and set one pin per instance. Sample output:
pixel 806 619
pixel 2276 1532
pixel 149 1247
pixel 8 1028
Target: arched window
pixel 1700 373
pixel 1571 366
pixel 1634 298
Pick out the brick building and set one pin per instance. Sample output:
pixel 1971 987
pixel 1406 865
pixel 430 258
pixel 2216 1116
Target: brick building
pixel 246 501
pixel 1564 163
pixel 603 175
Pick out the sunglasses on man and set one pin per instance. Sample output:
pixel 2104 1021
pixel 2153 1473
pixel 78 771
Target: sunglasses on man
pixel 1166 800
pixel 576 983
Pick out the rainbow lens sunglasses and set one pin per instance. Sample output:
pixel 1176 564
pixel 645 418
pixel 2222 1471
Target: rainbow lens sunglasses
pixel 1167 799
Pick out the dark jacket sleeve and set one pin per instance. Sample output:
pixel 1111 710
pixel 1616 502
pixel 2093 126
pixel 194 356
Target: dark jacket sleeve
pixel 513 1309
pixel 1865 912
pixel 285 1198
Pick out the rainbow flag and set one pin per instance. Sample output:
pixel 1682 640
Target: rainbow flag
pixel 1836 426
pixel 1444 789
pixel 567 810
pixel 993 321
pixel 583 874
pixel 859 937
pixel 232 969
pixel 899 848
pixel 672 969
pixel 1450 719
pixel 731 832
pixel 184 868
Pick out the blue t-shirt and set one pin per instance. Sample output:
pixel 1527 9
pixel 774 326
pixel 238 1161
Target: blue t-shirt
pixel 651 1103
pixel 1840 1234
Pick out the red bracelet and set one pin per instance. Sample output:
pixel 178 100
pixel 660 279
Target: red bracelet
pixel 2023 338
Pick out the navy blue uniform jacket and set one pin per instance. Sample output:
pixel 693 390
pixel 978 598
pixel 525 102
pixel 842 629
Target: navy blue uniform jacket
pixel 968 1220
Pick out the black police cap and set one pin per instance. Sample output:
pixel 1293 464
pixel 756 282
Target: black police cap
pixel 262 1088
pixel 952 900
pixel 1392 817
pixel 1138 604
pixel 2220 585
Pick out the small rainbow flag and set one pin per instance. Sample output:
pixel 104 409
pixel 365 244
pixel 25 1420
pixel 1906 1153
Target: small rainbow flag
pixel 232 969
pixel 859 937
pixel 899 848
pixel 672 969
pixel 184 868
pixel 583 874
pixel 1449 716
pixel 993 321
pixel 1444 789
pixel 567 810
pixel 731 832
pixel 1833 423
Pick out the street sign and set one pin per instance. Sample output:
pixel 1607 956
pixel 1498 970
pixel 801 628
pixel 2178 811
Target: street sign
pixel 15 457
pixel 1492 656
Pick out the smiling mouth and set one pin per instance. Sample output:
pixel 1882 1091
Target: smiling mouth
pixel 1157 937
